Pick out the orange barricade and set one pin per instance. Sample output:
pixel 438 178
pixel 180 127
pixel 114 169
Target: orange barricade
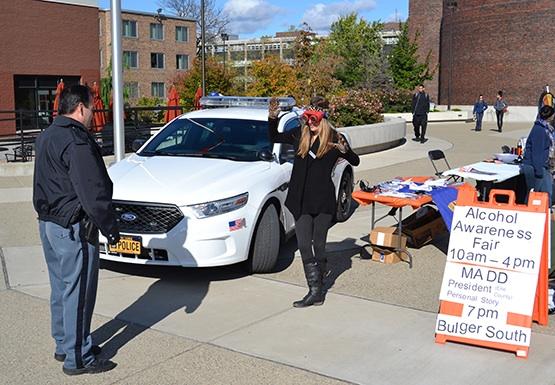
pixel 538 203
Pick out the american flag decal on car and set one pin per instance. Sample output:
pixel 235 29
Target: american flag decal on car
pixel 237 224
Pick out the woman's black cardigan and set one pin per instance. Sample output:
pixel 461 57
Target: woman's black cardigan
pixel 311 189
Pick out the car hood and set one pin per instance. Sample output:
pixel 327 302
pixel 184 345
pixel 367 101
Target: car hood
pixel 182 180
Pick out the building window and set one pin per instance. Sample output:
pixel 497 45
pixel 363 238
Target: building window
pixel 181 34
pixel 130 59
pixel 156 31
pixel 182 62
pixel 157 60
pixel 132 89
pixel 129 28
pixel 158 90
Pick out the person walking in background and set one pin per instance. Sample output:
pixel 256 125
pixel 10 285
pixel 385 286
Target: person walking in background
pixel 539 146
pixel 420 109
pixel 500 107
pixel 479 108
pixel 311 195
pixel 72 194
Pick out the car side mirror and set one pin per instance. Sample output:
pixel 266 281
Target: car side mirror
pixel 266 155
pixel 288 155
pixel 137 143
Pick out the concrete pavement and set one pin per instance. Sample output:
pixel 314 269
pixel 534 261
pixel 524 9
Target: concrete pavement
pixel 219 326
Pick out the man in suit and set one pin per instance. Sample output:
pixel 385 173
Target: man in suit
pixel 420 109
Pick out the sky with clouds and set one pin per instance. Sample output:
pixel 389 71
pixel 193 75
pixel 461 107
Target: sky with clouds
pixel 254 18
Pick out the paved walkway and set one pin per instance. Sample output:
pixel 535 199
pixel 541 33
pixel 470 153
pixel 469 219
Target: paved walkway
pixel 219 326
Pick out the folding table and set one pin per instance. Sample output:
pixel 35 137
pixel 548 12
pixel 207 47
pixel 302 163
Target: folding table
pixel 396 204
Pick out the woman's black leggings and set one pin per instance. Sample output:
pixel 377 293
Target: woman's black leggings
pixel 312 231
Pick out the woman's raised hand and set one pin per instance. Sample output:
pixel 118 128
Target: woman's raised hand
pixel 342 145
pixel 273 108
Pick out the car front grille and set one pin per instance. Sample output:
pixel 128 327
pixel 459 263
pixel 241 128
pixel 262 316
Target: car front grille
pixel 147 218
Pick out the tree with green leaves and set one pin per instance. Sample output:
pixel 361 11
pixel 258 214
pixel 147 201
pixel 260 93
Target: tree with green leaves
pixel 406 70
pixel 315 65
pixel 358 44
pixel 272 77
pixel 217 80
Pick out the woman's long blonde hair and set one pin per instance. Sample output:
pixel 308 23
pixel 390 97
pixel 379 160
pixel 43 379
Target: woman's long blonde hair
pixel 326 136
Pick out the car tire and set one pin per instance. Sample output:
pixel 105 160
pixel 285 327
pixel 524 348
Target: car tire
pixel 264 248
pixel 344 200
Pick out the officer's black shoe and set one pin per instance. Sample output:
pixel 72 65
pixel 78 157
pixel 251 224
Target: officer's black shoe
pixel 96 350
pixel 97 366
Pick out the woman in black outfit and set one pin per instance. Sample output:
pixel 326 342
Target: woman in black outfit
pixel 311 196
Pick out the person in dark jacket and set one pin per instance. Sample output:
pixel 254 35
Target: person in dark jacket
pixel 535 164
pixel 479 108
pixel 311 196
pixel 420 109
pixel 500 107
pixel 72 195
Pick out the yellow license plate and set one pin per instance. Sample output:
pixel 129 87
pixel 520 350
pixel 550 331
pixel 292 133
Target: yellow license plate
pixel 127 245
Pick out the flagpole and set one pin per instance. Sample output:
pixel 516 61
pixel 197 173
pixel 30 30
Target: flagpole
pixel 202 47
pixel 117 81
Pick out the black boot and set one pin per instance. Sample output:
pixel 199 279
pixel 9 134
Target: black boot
pixel 315 294
pixel 323 266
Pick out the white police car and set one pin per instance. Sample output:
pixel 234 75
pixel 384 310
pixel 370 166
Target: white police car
pixel 209 189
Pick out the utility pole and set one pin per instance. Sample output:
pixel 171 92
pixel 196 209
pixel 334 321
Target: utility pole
pixel 224 37
pixel 117 81
pixel 202 47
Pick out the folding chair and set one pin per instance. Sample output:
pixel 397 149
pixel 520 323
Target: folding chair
pixel 437 155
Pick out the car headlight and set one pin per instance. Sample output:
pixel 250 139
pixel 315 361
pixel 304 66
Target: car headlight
pixel 209 209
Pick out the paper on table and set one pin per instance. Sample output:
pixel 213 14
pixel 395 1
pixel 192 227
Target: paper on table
pixel 420 187
pixel 437 182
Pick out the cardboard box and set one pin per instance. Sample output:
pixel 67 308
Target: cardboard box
pixel 384 255
pixel 423 226
pixel 387 237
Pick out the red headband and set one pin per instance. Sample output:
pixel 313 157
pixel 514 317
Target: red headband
pixel 313 116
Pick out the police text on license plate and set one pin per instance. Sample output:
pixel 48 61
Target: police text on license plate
pixel 127 245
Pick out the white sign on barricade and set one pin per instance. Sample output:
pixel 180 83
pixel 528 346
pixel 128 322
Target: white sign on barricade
pixel 490 277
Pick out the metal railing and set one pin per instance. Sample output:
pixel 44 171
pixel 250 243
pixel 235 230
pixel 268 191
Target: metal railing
pixel 140 123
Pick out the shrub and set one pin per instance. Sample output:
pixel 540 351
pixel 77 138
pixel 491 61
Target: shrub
pixel 356 108
pixel 151 116
pixel 396 100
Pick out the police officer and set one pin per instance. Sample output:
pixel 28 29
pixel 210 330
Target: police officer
pixel 72 194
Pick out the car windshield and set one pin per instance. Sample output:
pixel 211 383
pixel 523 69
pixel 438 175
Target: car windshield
pixel 236 139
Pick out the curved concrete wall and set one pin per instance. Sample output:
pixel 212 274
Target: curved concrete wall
pixel 376 137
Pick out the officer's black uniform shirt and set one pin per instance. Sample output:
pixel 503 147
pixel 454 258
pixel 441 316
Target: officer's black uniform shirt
pixel 70 176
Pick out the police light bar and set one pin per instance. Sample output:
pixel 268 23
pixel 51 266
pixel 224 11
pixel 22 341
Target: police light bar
pixel 285 103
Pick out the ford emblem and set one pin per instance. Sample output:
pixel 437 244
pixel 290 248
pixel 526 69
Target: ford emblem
pixel 128 217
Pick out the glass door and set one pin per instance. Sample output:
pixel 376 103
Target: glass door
pixel 44 104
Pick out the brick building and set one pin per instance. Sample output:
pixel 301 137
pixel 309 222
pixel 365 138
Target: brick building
pixel 155 47
pixel 425 24
pixel 43 41
pixel 496 45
